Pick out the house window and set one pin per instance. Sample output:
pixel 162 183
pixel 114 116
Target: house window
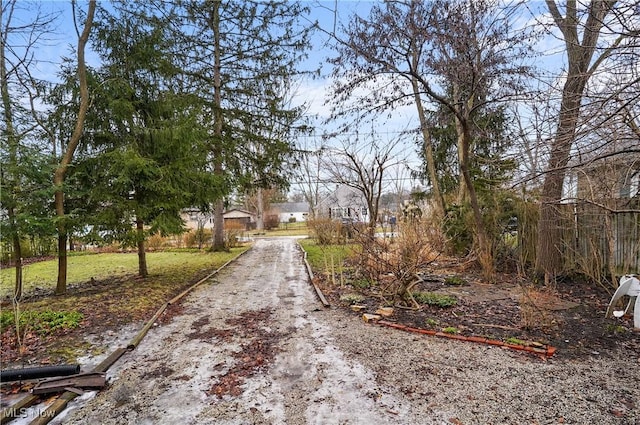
pixel 569 188
pixel 632 188
pixel 339 212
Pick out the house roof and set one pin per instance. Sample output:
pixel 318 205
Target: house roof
pixel 344 196
pixel 237 213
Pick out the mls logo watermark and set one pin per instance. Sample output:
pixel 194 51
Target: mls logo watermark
pixel 28 412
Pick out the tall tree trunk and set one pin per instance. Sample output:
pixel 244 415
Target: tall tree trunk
pixel 428 152
pixel 484 243
pixel 17 254
pixel 549 249
pixel 11 167
pixel 260 210
pixel 67 156
pixel 218 226
pixel 61 286
pixel 218 209
pixel 142 254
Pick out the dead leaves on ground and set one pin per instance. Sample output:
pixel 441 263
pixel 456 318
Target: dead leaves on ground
pixel 256 353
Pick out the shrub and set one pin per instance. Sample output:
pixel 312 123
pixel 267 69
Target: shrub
pixel 533 314
pixel 362 283
pixel 352 298
pixel 156 241
pixel 271 221
pixel 7 319
pixel 198 238
pixel 326 231
pixel 232 233
pixel 457 227
pixel 6 250
pixel 455 281
pixel 397 260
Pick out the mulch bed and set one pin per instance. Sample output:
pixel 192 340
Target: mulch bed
pixel 569 317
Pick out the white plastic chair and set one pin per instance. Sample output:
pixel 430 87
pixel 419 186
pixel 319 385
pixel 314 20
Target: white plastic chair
pixel 629 286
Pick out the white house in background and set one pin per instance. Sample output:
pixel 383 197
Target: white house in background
pixel 291 211
pixel 344 203
pixel 195 219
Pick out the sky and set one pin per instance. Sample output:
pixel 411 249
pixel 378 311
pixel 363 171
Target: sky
pixel 328 14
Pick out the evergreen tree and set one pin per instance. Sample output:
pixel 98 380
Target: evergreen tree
pixel 148 160
pixel 239 57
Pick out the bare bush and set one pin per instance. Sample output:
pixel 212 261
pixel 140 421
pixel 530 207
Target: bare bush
pixel 533 311
pixel 271 221
pixel 197 238
pixel 396 262
pixel 232 234
pixel 156 241
pixel 326 231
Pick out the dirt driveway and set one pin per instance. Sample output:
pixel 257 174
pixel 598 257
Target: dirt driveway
pixel 254 346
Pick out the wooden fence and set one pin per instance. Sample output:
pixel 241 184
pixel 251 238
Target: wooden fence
pixel 598 238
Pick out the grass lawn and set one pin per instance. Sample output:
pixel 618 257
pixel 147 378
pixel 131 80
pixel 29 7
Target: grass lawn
pixel 321 256
pixel 81 268
pixel 287 229
pixel 116 297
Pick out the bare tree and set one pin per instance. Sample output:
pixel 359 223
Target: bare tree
pixel 469 53
pixel 534 121
pixel 363 166
pixel 460 55
pixel 18 43
pixel 385 53
pixel 309 173
pixel 605 167
pixel 72 144
pixel 593 33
